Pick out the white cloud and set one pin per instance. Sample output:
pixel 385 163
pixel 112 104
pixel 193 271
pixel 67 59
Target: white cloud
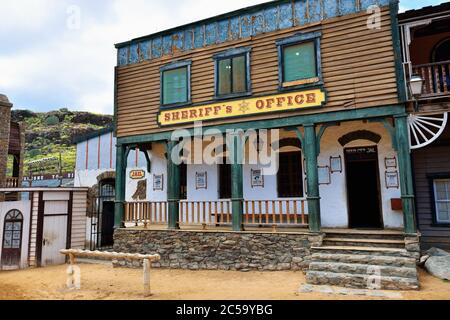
pixel 77 66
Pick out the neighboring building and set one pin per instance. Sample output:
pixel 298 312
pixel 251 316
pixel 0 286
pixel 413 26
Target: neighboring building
pixel 426 51
pixel 33 231
pixel 95 169
pixel 327 75
pixel 12 144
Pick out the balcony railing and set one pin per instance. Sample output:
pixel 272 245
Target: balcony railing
pixel 436 78
pixel 12 182
pixel 206 214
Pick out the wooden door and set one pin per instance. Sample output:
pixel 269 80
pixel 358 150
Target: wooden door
pixel 54 239
pixel 12 240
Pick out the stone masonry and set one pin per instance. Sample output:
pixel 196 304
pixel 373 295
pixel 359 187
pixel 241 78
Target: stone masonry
pixel 5 118
pixel 204 250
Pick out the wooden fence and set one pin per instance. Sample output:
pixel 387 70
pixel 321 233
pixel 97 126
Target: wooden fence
pixel 436 78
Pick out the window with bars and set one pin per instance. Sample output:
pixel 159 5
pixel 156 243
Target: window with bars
pixel 175 84
pixel 232 73
pixel 183 181
pixel 224 181
pixel 299 60
pixel 442 200
pixel 290 175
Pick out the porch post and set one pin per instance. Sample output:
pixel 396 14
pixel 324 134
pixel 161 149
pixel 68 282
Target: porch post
pixel 173 187
pixel 237 188
pixel 406 177
pixel 310 150
pixel 121 166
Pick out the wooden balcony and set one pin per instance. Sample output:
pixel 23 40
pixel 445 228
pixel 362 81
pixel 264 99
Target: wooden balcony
pixel 217 214
pixel 12 183
pixel 436 78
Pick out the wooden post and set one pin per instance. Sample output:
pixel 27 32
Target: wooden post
pixel 173 188
pixel 310 150
pixel 147 291
pixel 406 177
pixel 237 189
pixel 120 187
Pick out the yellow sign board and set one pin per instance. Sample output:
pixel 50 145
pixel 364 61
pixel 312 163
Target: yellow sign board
pixel 137 174
pixel 253 106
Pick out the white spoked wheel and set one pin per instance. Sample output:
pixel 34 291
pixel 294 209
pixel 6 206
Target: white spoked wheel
pixel 425 129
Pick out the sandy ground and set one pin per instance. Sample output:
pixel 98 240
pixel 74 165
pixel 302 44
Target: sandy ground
pixel 102 282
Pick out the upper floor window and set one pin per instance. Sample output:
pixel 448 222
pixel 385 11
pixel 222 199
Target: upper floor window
pixel 232 73
pixel 176 83
pixel 299 60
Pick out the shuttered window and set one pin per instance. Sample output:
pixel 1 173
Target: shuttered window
pixel 175 86
pixel 232 75
pixel 299 62
pixel 290 175
pixel 442 200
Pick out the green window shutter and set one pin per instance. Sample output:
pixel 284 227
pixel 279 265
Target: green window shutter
pixel 239 75
pixel 175 86
pixel 224 78
pixel 299 62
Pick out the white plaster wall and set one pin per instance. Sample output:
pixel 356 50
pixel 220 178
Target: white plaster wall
pixel 24 208
pixel 334 206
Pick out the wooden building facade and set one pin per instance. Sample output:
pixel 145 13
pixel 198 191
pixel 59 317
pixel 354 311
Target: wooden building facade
pixel 326 74
pixel 426 55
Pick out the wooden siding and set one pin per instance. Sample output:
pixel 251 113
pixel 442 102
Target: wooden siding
pixel 431 161
pixel 79 220
pixel 358 69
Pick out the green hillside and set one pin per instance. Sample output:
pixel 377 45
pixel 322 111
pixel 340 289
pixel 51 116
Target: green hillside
pixel 50 133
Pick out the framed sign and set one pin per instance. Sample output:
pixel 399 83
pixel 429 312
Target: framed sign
pixel 324 175
pixel 257 178
pixel 390 162
pixel 201 180
pixel 158 182
pixel 137 174
pixel 392 181
pixel 336 164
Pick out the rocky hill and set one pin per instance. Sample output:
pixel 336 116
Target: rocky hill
pixel 50 133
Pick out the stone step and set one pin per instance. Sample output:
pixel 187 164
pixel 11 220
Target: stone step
pixel 368 259
pixel 360 281
pixel 365 234
pixel 382 243
pixel 354 268
pixel 362 250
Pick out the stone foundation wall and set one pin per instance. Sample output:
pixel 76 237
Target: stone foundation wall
pixel 219 250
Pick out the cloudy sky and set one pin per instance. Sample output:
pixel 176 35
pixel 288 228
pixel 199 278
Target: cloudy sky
pixel 49 59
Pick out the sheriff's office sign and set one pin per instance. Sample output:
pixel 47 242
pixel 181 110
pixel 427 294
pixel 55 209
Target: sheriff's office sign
pixel 137 174
pixel 253 106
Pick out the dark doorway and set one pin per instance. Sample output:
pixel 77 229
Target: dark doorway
pixel 108 224
pixel 12 239
pixel 363 188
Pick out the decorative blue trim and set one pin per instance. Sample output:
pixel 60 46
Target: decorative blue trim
pixel 297 39
pixel 247 22
pixel 171 66
pixel 235 52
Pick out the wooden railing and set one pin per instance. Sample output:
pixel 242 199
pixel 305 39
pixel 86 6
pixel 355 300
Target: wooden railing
pixel 257 213
pixel 12 182
pixel 276 213
pixel 436 78
pixel 146 213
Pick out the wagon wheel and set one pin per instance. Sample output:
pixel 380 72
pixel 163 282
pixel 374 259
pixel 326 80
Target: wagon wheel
pixel 425 129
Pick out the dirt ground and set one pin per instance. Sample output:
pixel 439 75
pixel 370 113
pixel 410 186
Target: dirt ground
pixel 102 282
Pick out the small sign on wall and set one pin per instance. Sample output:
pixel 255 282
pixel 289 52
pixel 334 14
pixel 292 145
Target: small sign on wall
pixel 201 180
pixel 324 175
pixel 392 181
pixel 336 164
pixel 390 163
pixel 137 174
pixel 257 178
pixel 158 182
